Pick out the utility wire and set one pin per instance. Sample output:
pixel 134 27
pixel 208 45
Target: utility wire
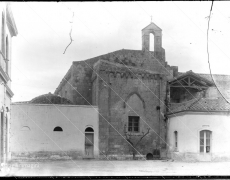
pixel 209 17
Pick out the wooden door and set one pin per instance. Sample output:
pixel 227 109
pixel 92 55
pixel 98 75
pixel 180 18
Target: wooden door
pixel 89 145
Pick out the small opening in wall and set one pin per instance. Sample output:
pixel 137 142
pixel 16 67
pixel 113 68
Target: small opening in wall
pixel 25 128
pixel 89 129
pixel 176 139
pixel 149 156
pixel 58 128
pixel 65 94
pixel 151 42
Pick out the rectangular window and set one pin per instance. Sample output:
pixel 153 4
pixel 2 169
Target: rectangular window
pixel 133 125
pixel 3 34
pixel 205 141
pixel 7 55
pixel 176 138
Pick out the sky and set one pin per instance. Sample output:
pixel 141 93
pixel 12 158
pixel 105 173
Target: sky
pixel 38 62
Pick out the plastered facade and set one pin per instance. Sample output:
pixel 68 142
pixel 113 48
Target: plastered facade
pixel 33 136
pixel 188 126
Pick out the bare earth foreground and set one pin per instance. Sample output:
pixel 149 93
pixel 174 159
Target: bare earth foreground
pixel 115 168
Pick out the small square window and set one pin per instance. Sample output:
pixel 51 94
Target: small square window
pixel 134 124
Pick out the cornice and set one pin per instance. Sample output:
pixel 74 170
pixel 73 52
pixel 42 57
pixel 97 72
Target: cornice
pixel 3 75
pixel 9 92
pixel 120 71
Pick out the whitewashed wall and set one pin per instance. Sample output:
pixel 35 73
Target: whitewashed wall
pixel 42 119
pixel 188 125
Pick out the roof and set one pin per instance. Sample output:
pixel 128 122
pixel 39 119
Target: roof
pixel 152 25
pixel 216 77
pixel 115 67
pixel 21 102
pixel 195 75
pixel 50 99
pixel 201 105
pixel 108 56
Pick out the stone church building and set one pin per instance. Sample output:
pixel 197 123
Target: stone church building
pixel 129 88
pixel 137 91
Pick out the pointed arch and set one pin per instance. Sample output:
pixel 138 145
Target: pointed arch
pixel 138 95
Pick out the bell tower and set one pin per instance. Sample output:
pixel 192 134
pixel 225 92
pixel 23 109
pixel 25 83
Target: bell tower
pixel 157 32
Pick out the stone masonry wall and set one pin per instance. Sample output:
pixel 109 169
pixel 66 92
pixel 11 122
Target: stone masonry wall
pixel 87 88
pixel 79 86
pixel 81 80
pixel 126 94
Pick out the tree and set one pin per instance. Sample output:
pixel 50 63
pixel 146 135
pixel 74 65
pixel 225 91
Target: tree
pixel 130 140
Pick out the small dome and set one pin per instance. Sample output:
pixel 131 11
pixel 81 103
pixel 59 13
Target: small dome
pixel 50 99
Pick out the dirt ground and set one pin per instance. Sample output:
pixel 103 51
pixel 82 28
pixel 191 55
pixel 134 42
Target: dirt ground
pixel 115 168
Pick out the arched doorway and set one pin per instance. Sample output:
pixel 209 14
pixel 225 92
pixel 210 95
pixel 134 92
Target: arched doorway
pixel 149 156
pixel 89 142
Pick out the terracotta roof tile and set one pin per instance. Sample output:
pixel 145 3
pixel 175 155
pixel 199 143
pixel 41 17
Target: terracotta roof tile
pixel 201 105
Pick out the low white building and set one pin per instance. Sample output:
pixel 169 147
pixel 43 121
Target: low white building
pixel 199 130
pixel 53 130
